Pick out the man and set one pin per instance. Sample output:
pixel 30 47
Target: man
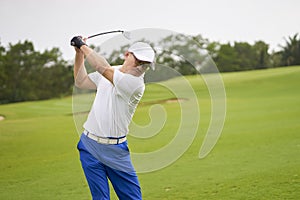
pixel 103 147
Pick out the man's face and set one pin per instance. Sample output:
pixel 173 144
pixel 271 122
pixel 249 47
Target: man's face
pixel 131 59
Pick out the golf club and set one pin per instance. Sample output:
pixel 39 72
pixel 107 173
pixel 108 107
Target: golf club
pixel 125 34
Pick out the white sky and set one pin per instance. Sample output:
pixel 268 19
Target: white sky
pixel 52 23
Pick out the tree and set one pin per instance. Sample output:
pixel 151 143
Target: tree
pixel 291 51
pixel 185 54
pixel 30 75
pixel 262 57
pixel 246 55
pixel 275 59
pixel 227 58
pixel 242 56
pixel 115 57
pixel 2 72
pixel 17 62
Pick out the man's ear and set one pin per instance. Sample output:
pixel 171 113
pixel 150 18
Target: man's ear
pixel 126 54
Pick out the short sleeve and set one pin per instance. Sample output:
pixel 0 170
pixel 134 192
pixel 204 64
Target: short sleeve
pixel 127 85
pixel 95 77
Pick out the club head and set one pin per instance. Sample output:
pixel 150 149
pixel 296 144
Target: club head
pixel 127 35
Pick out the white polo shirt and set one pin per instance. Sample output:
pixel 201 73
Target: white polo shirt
pixel 114 105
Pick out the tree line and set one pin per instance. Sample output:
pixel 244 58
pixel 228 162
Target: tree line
pixel 241 56
pixel 27 74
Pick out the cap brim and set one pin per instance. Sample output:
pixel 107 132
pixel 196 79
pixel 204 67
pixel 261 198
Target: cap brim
pixel 142 57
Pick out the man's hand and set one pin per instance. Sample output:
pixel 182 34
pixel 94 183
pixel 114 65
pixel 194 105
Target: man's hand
pixel 77 42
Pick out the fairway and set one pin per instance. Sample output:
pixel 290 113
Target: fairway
pixel 256 157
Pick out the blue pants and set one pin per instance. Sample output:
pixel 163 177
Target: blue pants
pixel 98 160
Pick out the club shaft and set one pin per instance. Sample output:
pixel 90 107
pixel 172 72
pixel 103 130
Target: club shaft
pixel 105 33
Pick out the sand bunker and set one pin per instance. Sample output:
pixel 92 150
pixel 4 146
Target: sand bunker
pixel 172 100
pixel 1 118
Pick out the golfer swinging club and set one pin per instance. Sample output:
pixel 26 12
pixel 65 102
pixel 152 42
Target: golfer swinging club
pixel 103 149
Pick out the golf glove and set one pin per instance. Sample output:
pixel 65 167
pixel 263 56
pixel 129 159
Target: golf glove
pixel 77 42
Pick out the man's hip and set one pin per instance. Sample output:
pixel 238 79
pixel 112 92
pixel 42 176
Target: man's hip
pixel 105 140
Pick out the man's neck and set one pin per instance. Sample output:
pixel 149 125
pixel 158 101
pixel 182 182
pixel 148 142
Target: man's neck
pixel 135 71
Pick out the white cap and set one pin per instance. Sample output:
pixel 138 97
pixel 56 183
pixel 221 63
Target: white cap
pixel 142 51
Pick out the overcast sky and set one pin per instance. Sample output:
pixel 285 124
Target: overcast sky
pixel 52 23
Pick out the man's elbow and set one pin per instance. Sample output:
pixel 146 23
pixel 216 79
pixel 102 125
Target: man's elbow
pixel 85 83
pixel 78 83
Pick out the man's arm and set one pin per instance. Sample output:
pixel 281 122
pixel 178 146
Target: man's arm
pixel 81 78
pixel 98 62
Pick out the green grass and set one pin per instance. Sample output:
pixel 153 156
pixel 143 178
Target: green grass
pixel 256 157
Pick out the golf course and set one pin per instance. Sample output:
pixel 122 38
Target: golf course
pixel 256 157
